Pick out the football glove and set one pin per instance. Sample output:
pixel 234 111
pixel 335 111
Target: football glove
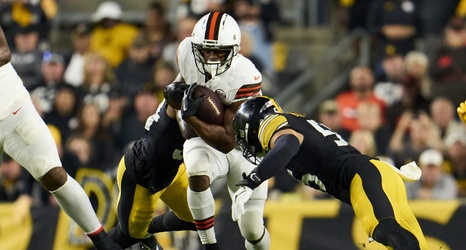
pixel 462 111
pixel 174 93
pixel 189 106
pixel 251 181
pixel 239 199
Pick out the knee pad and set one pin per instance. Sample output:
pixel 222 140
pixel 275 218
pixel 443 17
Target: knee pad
pixel 390 233
pixel 263 243
pixel 251 225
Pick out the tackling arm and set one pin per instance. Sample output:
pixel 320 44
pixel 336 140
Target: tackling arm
pixel 285 147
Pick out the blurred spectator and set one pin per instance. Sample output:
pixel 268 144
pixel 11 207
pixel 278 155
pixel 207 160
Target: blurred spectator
pixel 132 124
pixel 163 73
pixel 394 25
pixel 104 153
pixel 361 83
pixel 15 15
pixel 111 119
pixel 391 68
pixel 184 29
pixel 26 57
pixel 14 180
pixel 369 117
pixel 329 115
pixel 99 81
pixel 111 37
pixel 157 29
pixel 247 14
pixel 247 50
pixel 52 69
pixel 456 152
pixel 82 148
pixel 448 69
pixel 443 113
pixel 434 183
pixel 81 42
pixel 357 13
pixel 64 111
pixel 135 70
pixel 271 16
pixel 364 141
pixel 411 99
pixel 15 187
pixel 413 134
pixel 434 16
pixel 417 65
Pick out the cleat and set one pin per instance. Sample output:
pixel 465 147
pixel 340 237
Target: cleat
pixel 150 243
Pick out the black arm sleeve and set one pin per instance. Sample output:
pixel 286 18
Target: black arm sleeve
pixel 286 146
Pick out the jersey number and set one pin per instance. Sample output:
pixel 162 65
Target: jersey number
pixel 325 131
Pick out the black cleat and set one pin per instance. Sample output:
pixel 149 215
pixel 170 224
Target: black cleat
pixel 150 243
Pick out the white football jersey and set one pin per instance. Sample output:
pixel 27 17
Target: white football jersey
pixel 12 91
pixel 240 81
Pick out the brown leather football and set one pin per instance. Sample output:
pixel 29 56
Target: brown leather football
pixel 211 110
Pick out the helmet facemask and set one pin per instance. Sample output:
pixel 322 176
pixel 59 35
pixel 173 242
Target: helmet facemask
pixel 248 140
pixel 246 123
pixel 213 68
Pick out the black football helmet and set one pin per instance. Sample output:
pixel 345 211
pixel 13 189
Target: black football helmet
pixel 246 124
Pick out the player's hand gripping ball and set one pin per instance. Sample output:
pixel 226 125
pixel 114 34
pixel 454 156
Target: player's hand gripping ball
pixel 204 103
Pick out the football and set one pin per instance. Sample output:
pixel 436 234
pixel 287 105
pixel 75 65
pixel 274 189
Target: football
pixel 211 109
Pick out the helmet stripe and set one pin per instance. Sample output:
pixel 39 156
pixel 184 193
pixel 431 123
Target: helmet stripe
pixel 213 26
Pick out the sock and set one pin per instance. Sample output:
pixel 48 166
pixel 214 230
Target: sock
pixel 74 201
pixel 202 207
pixel 169 222
pixel 103 241
pixel 123 240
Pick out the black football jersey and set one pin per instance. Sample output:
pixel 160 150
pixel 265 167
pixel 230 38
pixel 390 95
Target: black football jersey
pixel 154 159
pixel 322 160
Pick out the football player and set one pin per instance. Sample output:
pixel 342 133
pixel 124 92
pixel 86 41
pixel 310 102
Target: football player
pixel 210 58
pixel 319 158
pixel 462 111
pixel 26 138
pixel 153 169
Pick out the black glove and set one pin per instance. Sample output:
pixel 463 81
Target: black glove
pixel 189 106
pixel 251 181
pixel 174 93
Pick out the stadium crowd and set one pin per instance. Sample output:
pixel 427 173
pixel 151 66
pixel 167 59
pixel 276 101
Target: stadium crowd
pixel 96 97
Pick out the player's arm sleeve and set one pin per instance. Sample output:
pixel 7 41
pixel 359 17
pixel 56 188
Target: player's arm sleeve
pixel 285 148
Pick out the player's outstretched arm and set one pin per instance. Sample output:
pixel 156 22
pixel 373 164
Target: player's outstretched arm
pixel 462 111
pixel 5 54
